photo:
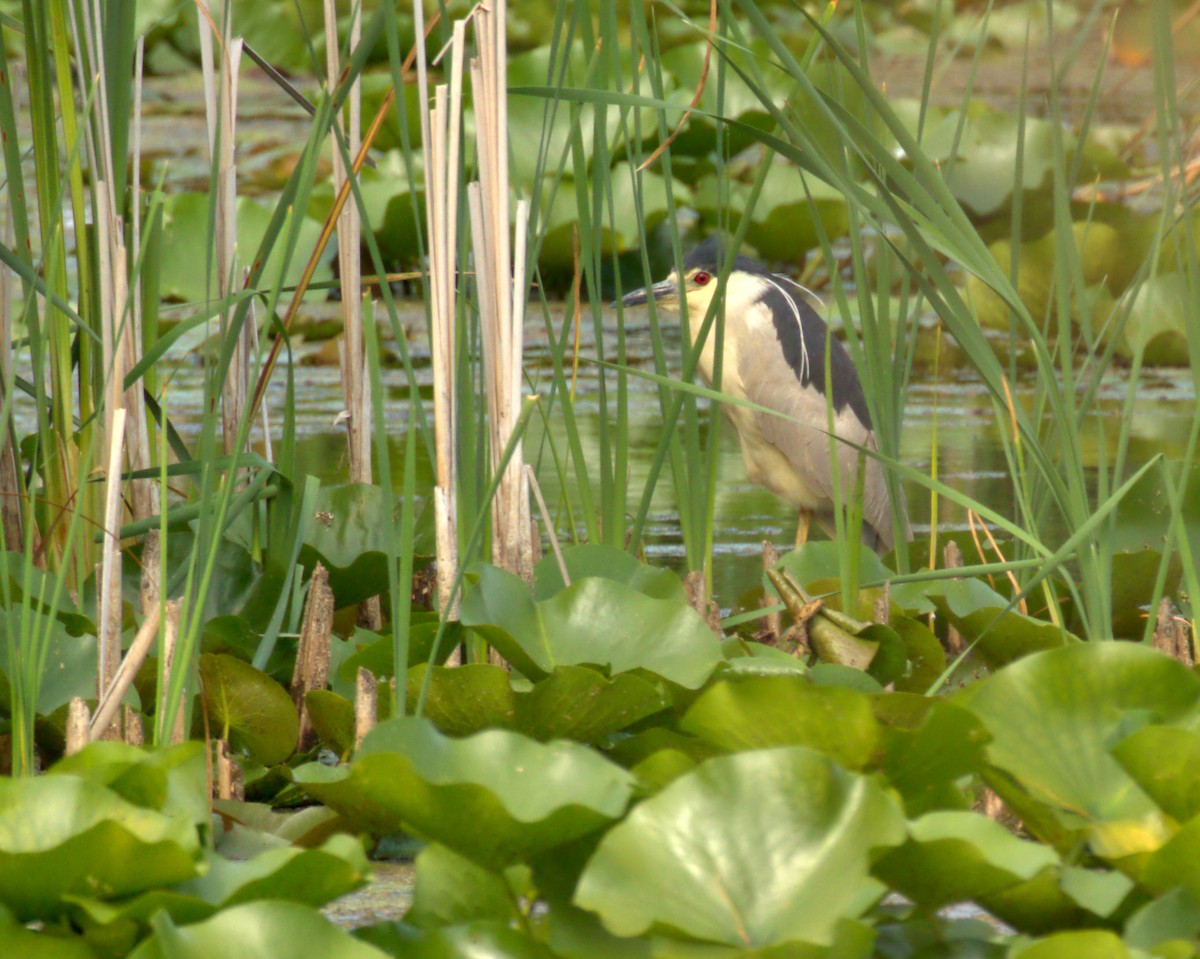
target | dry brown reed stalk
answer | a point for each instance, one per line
(170, 639)
(109, 569)
(441, 131)
(352, 357)
(500, 277)
(110, 702)
(220, 105)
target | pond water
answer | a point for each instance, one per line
(969, 452)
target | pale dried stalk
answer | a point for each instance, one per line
(531, 478)
(311, 670)
(501, 283)
(366, 704)
(76, 733)
(107, 708)
(109, 640)
(349, 254)
(441, 127)
(170, 639)
(143, 493)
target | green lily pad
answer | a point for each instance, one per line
(486, 939)
(170, 779)
(248, 708)
(978, 613)
(591, 622)
(606, 562)
(62, 836)
(185, 246)
(348, 538)
(1165, 762)
(751, 850)
(1158, 320)
(496, 797)
(929, 744)
(332, 718)
(1053, 717)
(1093, 943)
(17, 940)
(573, 702)
(960, 856)
(451, 889)
(260, 930)
(756, 712)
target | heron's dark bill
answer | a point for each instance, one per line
(658, 292)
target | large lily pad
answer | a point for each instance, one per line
(929, 745)
(186, 253)
(593, 621)
(606, 562)
(62, 835)
(752, 850)
(755, 712)
(1053, 717)
(495, 797)
(170, 779)
(1000, 635)
(1165, 761)
(573, 702)
(250, 709)
(259, 930)
(959, 856)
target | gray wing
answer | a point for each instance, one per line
(773, 383)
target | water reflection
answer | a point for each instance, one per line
(969, 453)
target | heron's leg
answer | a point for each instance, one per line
(802, 527)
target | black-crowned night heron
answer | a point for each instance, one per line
(774, 354)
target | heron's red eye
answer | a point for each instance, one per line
(701, 278)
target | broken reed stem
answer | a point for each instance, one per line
(366, 704)
(442, 129)
(352, 355)
(311, 670)
(501, 284)
(109, 639)
(110, 702)
(551, 532)
(167, 658)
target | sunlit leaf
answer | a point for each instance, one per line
(755, 712)
(593, 621)
(249, 708)
(495, 797)
(261, 930)
(753, 849)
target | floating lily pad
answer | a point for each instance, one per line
(250, 709)
(1053, 717)
(495, 797)
(593, 621)
(929, 744)
(451, 889)
(62, 836)
(1000, 635)
(751, 850)
(755, 712)
(332, 718)
(1165, 762)
(960, 856)
(186, 250)
(605, 562)
(260, 930)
